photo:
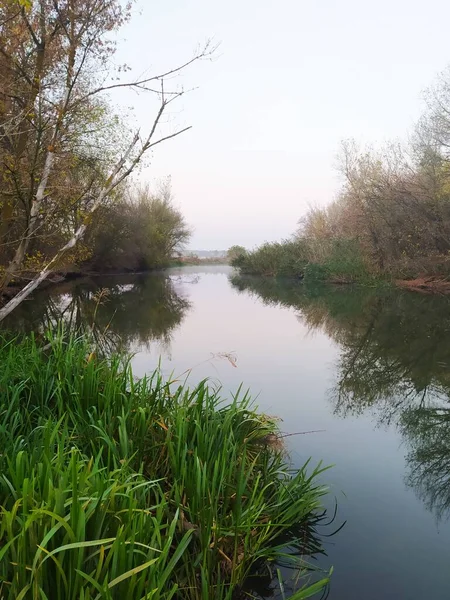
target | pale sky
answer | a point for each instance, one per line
(291, 80)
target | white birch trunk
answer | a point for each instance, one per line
(111, 183)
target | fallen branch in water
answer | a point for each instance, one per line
(301, 433)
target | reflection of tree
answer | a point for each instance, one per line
(394, 345)
(427, 430)
(398, 359)
(394, 358)
(119, 311)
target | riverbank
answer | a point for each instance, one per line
(118, 488)
(314, 274)
(425, 285)
(342, 264)
(72, 274)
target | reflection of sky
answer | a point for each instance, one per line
(391, 547)
(125, 288)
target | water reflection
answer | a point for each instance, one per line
(427, 429)
(126, 312)
(387, 354)
(122, 312)
(394, 362)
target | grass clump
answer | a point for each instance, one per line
(117, 488)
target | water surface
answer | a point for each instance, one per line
(367, 371)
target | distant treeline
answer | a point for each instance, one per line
(392, 215)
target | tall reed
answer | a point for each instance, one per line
(116, 488)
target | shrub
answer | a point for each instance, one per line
(286, 259)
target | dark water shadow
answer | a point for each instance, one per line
(121, 312)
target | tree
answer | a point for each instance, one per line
(235, 252)
(53, 53)
(140, 231)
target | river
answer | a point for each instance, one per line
(365, 371)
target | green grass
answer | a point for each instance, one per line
(284, 259)
(116, 488)
(338, 261)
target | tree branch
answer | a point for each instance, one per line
(30, 29)
(207, 51)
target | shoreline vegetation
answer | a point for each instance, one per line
(290, 260)
(390, 221)
(113, 487)
(72, 274)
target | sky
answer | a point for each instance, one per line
(290, 81)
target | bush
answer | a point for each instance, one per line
(340, 261)
(235, 253)
(344, 262)
(285, 259)
(315, 272)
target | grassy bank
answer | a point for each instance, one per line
(342, 263)
(117, 488)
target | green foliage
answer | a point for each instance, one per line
(140, 231)
(343, 263)
(340, 261)
(116, 488)
(287, 258)
(315, 272)
(235, 252)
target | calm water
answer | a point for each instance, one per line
(367, 372)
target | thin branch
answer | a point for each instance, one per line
(301, 433)
(11, 18)
(141, 84)
(38, 43)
